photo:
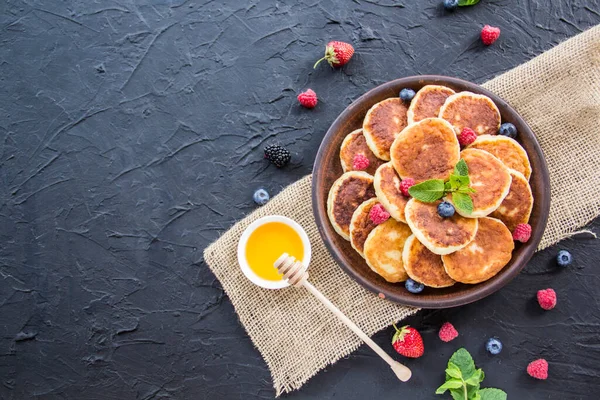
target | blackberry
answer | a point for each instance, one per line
(278, 155)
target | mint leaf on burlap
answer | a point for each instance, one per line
(428, 191)
(492, 394)
(464, 3)
(464, 203)
(461, 168)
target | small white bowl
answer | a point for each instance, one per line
(241, 251)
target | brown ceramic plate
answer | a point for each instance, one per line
(327, 169)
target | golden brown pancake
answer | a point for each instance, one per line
(354, 144)
(427, 149)
(516, 206)
(489, 177)
(387, 188)
(348, 192)
(361, 225)
(424, 266)
(485, 256)
(382, 124)
(470, 110)
(507, 150)
(427, 102)
(383, 250)
(440, 235)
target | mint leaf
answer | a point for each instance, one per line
(457, 394)
(492, 394)
(466, 190)
(451, 384)
(447, 187)
(464, 3)
(463, 360)
(458, 181)
(453, 371)
(481, 375)
(477, 396)
(428, 191)
(464, 203)
(461, 167)
(473, 381)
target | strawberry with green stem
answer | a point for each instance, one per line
(337, 54)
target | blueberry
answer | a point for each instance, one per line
(407, 94)
(564, 258)
(261, 196)
(450, 5)
(413, 286)
(445, 209)
(494, 346)
(508, 129)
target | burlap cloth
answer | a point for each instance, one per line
(557, 93)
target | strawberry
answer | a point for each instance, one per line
(408, 342)
(337, 54)
(308, 98)
(489, 34)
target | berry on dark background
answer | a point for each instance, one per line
(508, 129)
(450, 5)
(278, 155)
(445, 209)
(407, 94)
(493, 346)
(261, 197)
(413, 286)
(564, 258)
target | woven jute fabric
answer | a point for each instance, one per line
(557, 93)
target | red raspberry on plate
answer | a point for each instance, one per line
(360, 162)
(538, 369)
(308, 98)
(547, 298)
(405, 185)
(447, 332)
(467, 136)
(378, 214)
(522, 233)
(489, 34)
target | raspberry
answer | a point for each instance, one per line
(405, 185)
(547, 298)
(489, 34)
(360, 162)
(538, 369)
(308, 99)
(378, 214)
(447, 332)
(467, 136)
(522, 233)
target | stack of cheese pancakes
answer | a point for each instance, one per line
(419, 141)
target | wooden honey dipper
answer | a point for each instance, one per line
(296, 274)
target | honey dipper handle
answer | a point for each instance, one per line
(402, 372)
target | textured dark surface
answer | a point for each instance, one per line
(131, 136)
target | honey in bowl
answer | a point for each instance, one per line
(267, 243)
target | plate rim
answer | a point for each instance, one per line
(321, 217)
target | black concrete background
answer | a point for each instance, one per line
(131, 136)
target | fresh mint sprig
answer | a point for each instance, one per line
(463, 3)
(462, 380)
(457, 186)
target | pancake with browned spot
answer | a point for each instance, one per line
(490, 179)
(382, 124)
(427, 149)
(383, 250)
(485, 256)
(440, 235)
(518, 203)
(355, 143)
(387, 188)
(348, 192)
(427, 102)
(361, 225)
(470, 110)
(507, 150)
(424, 266)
